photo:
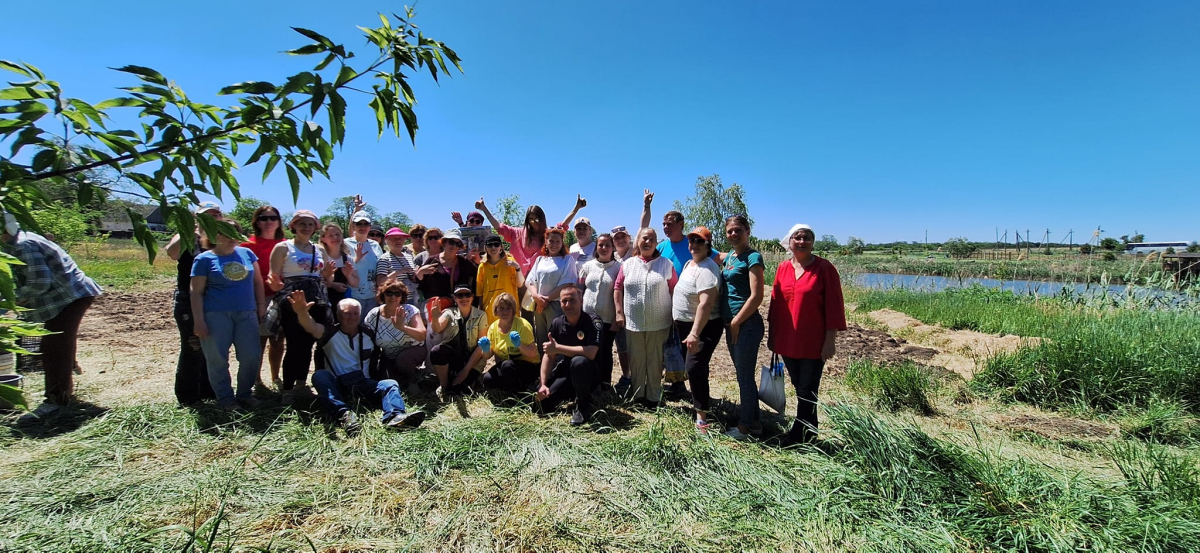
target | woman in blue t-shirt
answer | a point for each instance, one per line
(228, 302)
(741, 294)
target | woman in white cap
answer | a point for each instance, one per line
(806, 312)
(584, 249)
(297, 264)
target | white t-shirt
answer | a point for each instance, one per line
(695, 279)
(345, 354)
(392, 339)
(550, 272)
(583, 255)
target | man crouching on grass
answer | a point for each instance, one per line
(347, 350)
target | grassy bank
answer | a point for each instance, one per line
(146, 478)
(122, 263)
(1101, 359)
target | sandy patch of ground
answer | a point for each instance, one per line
(960, 351)
(1054, 427)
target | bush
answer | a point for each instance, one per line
(894, 387)
(1110, 244)
(1085, 249)
(1109, 256)
(1162, 421)
(63, 222)
(960, 247)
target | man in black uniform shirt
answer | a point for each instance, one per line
(567, 367)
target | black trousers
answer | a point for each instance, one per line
(806, 378)
(444, 354)
(191, 371)
(571, 377)
(604, 357)
(697, 364)
(512, 375)
(297, 355)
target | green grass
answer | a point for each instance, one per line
(148, 478)
(122, 263)
(1066, 268)
(1101, 359)
(894, 386)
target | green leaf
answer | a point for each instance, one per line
(13, 396)
(248, 87)
(28, 106)
(294, 179)
(120, 103)
(15, 68)
(315, 36)
(44, 160)
(294, 84)
(307, 50)
(337, 118)
(23, 93)
(27, 137)
(145, 73)
(271, 163)
(344, 75)
(318, 95)
(89, 111)
(325, 63)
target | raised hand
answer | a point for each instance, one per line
(299, 302)
(457, 218)
(479, 204)
(360, 251)
(580, 203)
(359, 204)
(647, 196)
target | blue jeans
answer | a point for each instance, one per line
(745, 363)
(240, 330)
(330, 390)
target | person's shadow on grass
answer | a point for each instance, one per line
(65, 420)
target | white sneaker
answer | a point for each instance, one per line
(737, 434)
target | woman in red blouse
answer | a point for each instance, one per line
(805, 314)
(268, 231)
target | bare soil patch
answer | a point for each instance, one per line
(128, 346)
(1057, 428)
(960, 351)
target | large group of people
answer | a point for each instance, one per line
(378, 310)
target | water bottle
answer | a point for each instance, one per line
(485, 344)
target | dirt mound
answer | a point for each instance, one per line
(863, 343)
(1057, 428)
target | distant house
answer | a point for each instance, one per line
(1147, 247)
(117, 224)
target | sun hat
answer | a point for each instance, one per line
(452, 234)
(303, 214)
(463, 287)
(207, 206)
(702, 232)
(493, 240)
(395, 232)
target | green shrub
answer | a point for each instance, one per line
(1109, 256)
(894, 387)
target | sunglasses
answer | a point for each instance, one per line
(418, 236)
(434, 237)
(454, 243)
(464, 295)
(476, 221)
(394, 294)
(268, 217)
(493, 244)
(362, 223)
(697, 240)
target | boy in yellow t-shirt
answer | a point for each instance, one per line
(498, 273)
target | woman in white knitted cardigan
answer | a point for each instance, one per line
(642, 294)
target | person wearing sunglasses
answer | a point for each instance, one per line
(553, 271)
(698, 319)
(474, 219)
(399, 332)
(528, 241)
(417, 235)
(267, 232)
(366, 252)
(376, 234)
(441, 273)
(498, 273)
(460, 328)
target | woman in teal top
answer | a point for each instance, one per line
(741, 294)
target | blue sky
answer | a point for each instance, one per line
(881, 120)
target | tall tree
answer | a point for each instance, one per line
(510, 210)
(712, 203)
(243, 212)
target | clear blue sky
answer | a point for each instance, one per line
(875, 119)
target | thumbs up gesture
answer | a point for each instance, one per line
(551, 347)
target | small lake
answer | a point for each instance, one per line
(1023, 287)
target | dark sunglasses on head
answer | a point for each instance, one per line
(464, 295)
(393, 293)
(268, 217)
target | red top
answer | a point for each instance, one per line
(262, 248)
(803, 309)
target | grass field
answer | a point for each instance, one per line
(907, 461)
(1064, 268)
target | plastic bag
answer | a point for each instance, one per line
(771, 386)
(673, 362)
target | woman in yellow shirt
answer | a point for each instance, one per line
(498, 273)
(517, 360)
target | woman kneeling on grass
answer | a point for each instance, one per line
(228, 301)
(805, 314)
(399, 333)
(693, 305)
(516, 369)
(457, 357)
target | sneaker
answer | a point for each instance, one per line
(401, 421)
(349, 422)
(737, 434)
(623, 385)
(44, 410)
(441, 395)
(578, 418)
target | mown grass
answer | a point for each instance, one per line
(141, 478)
(1097, 359)
(122, 263)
